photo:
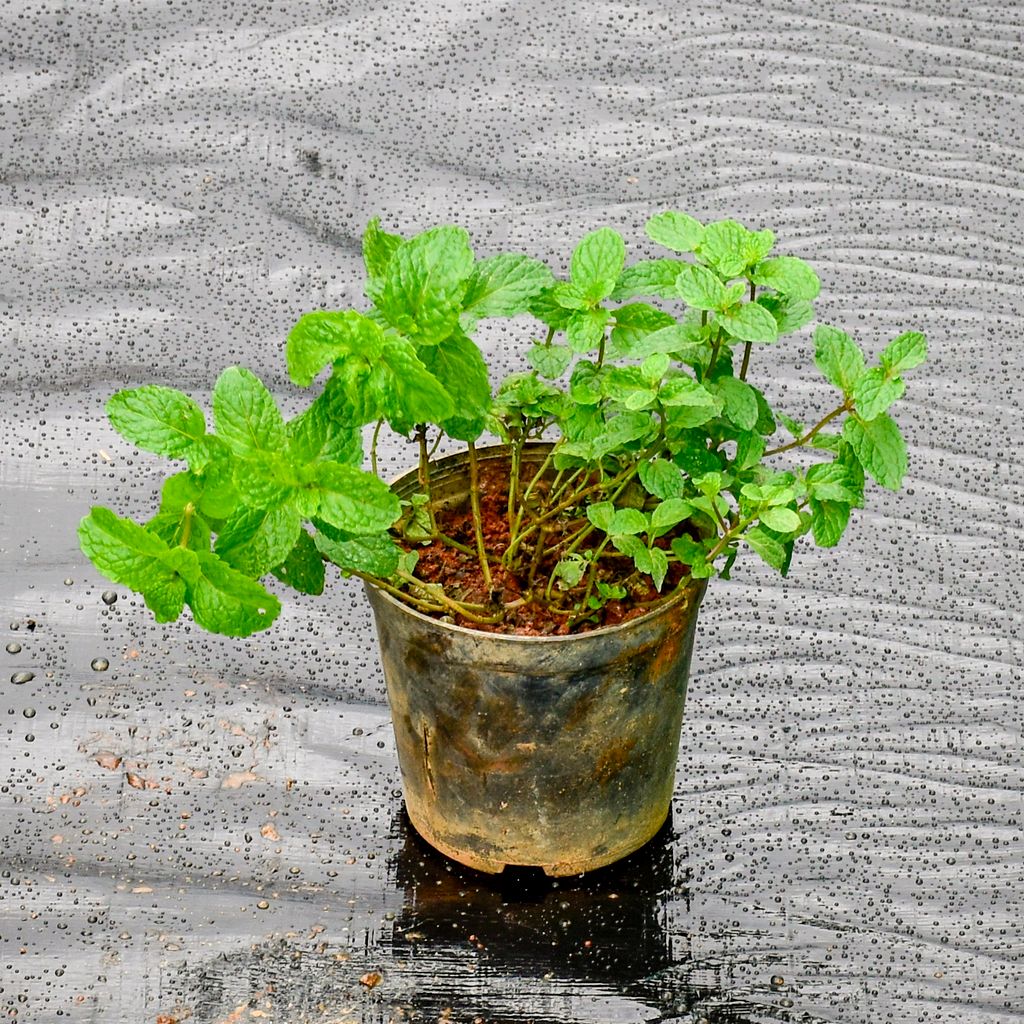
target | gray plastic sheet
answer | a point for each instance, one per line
(211, 830)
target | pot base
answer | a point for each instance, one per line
(559, 869)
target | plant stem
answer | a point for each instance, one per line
(457, 544)
(798, 442)
(186, 526)
(424, 474)
(459, 607)
(373, 447)
(478, 523)
(513, 482)
(747, 345)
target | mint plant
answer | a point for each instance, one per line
(662, 459)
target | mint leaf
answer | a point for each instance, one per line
(374, 554)
(879, 447)
(586, 329)
(157, 419)
(661, 478)
(684, 390)
(378, 248)
(627, 521)
(570, 571)
(569, 296)
(303, 569)
(669, 513)
(545, 307)
(770, 549)
(323, 337)
(126, 553)
(676, 231)
(321, 432)
(750, 447)
(597, 263)
(739, 402)
(750, 322)
(634, 322)
(426, 279)
(679, 340)
(833, 481)
(875, 391)
(408, 391)
(789, 275)
(790, 314)
(828, 521)
(549, 361)
(780, 519)
(225, 601)
(351, 500)
(601, 514)
(459, 367)
(648, 277)
(247, 419)
(699, 288)
(255, 540)
(730, 248)
(505, 285)
(837, 356)
(171, 528)
(904, 353)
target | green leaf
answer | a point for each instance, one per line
(549, 361)
(739, 401)
(684, 390)
(770, 549)
(170, 528)
(750, 322)
(505, 285)
(303, 569)
(378, 248)
(750, 447)
(126, 553)
(601, 514)
(570, 570)
(255, 540)
(875, 391)
(654, 367)
(375, 554)
(408, 391)
(789, 275)
(569, 296)
(586, 329)
(351, 500)
(324, 337)
(833, 481)
(661, 478)
(676, 231)
(628, 521)
(668, 514)
(648, 277)
(828, 521)
(157, 419)
(678, 340)
(597, 263)
(548, 310)
(633, 323)
(223, 600)
(699, 288)
(780, 519)
(904, 353)
(636, 549)
(795, 427)
(422, 290)
(321, 432)
(459, 366)
(837, 356)
(247, 419)
(879, 447)
(730, 248)
(790, 314)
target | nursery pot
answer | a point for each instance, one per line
(555, 752)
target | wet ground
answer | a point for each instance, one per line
(211, 830)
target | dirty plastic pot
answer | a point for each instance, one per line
(556, 752)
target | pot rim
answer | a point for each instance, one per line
(685, 591)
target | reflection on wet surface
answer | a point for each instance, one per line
(210, 830)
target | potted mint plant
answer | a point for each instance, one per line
(535, 596)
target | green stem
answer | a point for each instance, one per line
(424, 474)
(186, 526)
(478, 523)
(373, 447)
(459, 607)
(748, 345)
(800, 441)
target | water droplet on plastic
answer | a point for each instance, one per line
(13, 648)
(109, 597)
(99, 664)
(22, 677)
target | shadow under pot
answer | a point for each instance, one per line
(557, 752)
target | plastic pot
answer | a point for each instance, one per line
(556, 752)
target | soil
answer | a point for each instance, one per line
(459, 571)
